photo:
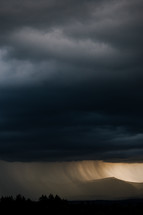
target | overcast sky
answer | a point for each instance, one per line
(71, 80)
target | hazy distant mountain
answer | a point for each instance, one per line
(108, 188)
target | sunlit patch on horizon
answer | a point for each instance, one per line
(92, 170)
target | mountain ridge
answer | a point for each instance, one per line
(108, 189)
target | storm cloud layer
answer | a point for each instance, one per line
(71, 75)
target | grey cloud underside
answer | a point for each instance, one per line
(71, 80)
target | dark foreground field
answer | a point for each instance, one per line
(56, 205)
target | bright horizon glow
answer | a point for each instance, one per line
(92, 170)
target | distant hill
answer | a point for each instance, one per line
(108, 189)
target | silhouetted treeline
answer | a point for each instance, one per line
(21, 205)
(56, 205)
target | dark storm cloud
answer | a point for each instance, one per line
(54, 124)
(71, 80)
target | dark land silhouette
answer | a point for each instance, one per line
(56, 205)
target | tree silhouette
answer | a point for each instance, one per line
(51, 197)
(20, 198)
(43, 199)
